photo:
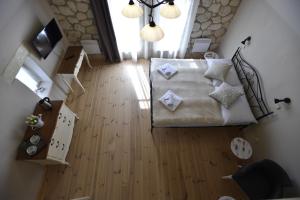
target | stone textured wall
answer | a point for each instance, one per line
(76, 19)
(212, 20)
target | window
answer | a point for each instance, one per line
(127, 30)
(177, 31)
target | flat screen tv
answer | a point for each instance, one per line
(47, 38)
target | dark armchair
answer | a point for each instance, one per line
(264, 179)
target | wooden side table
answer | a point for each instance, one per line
(71, 64)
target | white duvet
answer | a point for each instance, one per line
(197, 108)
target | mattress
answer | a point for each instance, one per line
(197, 108)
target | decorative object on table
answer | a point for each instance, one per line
(33, 145)
(46, 103)
(31, 150)
(35, 139)
(211, 55)
(241, 148)
(152, 32)
(226, 198)
(35, 121)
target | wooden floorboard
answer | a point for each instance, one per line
(114, 156)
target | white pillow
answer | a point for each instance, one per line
(226, 94)
(217, 83)
(239, 113)
(221, 60)
(231, 78)
(217, 69)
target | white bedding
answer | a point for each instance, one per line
(197, 108)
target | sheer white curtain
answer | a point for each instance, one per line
(177, 31)
(127, 30)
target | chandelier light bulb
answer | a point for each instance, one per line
(152, 32)
(132, 10)
(170, 11)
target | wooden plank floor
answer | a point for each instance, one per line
(114, 156)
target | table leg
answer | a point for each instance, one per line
(79, 83)
(88, 61)
(75, 115)
(66, 82)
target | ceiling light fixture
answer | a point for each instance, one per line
(152, 32)
(170, 11)
(132, 10)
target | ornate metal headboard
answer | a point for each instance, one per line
(252, 85)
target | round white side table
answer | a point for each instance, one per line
(211, 55)
(241, 148)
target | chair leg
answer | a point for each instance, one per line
(227, 177)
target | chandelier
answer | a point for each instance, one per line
(152, 32)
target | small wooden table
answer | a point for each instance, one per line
(71, 65)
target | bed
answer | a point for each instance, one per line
(198, 109)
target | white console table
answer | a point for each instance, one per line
(56, 135)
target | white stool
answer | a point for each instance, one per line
(241, 148)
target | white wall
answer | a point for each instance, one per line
(275, 51)
(20, 20)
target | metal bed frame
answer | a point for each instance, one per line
(251, 82)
